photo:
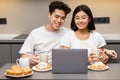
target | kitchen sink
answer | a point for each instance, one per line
(21, 36)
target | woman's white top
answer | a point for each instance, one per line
(42, 41)
(94, 41)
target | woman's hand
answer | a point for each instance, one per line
(92, 58)
(103, 56)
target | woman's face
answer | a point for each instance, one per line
(81, 20)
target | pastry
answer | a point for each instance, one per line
(98, 65)
(16, 68)
(43, 65)
(49, 66)
(10, 72)
(26, 70)
(18, 71)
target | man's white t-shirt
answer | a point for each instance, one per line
(94, 41)
(42, 41)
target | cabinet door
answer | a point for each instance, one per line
(5, 56)
(15, 51)
(115, 47)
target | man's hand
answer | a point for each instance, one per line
(112, 53)
(35, 59)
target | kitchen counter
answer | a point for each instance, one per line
(12, 38)
(111, 36)
(19, 38)
(10, 41)
(7, 36)
(23, 36)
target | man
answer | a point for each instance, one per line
(46, 37)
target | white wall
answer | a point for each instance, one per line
(25, 15)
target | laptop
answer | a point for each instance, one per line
(69, 61)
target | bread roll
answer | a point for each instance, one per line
(16, 68)
(9, 72)
(18, 71)
(26, 70)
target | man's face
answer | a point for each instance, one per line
(57, 19)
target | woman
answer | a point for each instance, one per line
(84, 36)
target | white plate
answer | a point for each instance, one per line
(35, 69)
(19, 75)
(98, 69)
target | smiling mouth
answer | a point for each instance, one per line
(57, 25)
(81, 25)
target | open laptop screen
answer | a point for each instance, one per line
(70, 61)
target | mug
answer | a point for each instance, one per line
(43, 57)
(23, 62)
(96, 52)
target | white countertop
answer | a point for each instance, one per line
(106, 36)
(111, 36)
(7, 36)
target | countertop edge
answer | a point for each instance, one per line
(22, 41)
(4, 41)
(113, 41)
